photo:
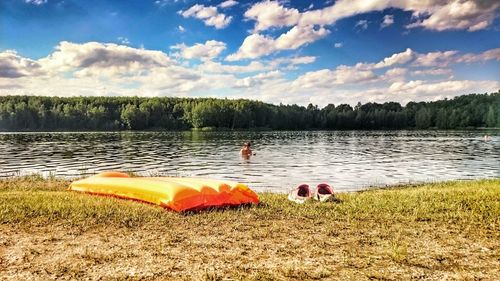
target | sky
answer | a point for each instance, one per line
(290, 52)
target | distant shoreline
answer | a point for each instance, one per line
(251, 130)
(38, 113)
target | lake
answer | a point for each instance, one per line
(348, 160)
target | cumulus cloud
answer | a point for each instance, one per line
(209, 15)
(435, 58)
(338, 45)
(399, 58)
(300, 35)
(207, 51)
(327, 78)
(362, 24)
(257, 45)
(217, 67)
(14, 66)
(432, 14)
(297, 60)
(123, 40)
(432, 72)
(228, 3)
(254, 46)
(181, 29)
(284, 63)
(272, 14)
(444, 58)
(102, 58)
(388, 20)
(36, 2)
(103, 69)
(438, 15)
(108, 69)
(259, 79)
(493, 54)
(392, 84)
(424, 88)
(459, 14)
(395, 74)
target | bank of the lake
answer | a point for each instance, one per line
(433, 231)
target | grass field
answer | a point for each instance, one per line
(442, 231)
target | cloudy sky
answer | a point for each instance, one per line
(302, 52)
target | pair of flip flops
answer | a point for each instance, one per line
(303, 193)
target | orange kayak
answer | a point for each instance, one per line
(178, 194)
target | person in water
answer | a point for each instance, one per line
(246, 151)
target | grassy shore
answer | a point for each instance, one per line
(442, 231)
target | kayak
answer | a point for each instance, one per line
(178, 194)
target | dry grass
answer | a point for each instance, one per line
(431, 232)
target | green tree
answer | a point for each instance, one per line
(423, 118)
(133, 118)
(490, 117)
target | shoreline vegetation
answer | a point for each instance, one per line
(431, 231)
(37, 113)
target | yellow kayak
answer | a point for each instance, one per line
(178, 194)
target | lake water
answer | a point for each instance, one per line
(348, 160)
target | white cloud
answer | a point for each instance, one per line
(298, 36)
(493, 54)
(258, 79)
(399, 58)
(36, 2)
(439, 58)
(102, 59)
(342, 9)
(207, 51)
(395, 74)
(123, 40)
(257, 45)
(14, 66)
(326, 78)
(297, 60)
(459, 14)
(181, 29)
(422, 89)
(404, 92)
(254, 46)
(431, 14)
(338, 45)
(433, 72)
(217, 67)
(388, 20)
(444, 58)
(284, 63)
(108, 69)
(228, 3)
(209, 15)
(272, 14)
(103, 69)
(362, 24)
(163, 3)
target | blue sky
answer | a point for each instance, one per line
(302, 52)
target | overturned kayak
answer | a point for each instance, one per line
(178, 194)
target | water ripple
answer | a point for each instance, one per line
(350, 160)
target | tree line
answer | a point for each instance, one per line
(36, 113)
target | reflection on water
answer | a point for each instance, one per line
(350, 160)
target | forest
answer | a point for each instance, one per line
(36, 113)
